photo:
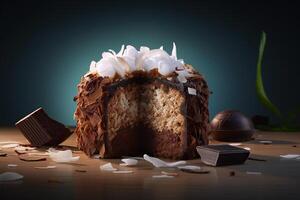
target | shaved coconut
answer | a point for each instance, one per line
(129, 162)
(7, 146)
(247, 148)
(144, 49)
(192, 91)
(93, 66)
(130, 51)
(265, 142)
(130, 59)
(189, 167)
(123, 172)
(96, 156)
(47, 167)
(12, 165)
(112, 51)
(22, 148)
(160, 163)
(181, 79)
(164, 68)
(10, 176)
(62, 156)
(174, 51)
(121, 51)
(235, 144)
(290, 156)
(162, 176)
(169, 173)
(107, 167)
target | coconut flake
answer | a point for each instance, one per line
(169, 173)
(62, 156)
(290, 156)
(96, 156)
(10, 176)
(7, 146)
(174, 51)
(192, 91)
(160, 163)
(253, 173)
(189, 167)
(162, 176)
(12, 165)
(129, 162)
(122, 172)
(235, 144)
(265, 142)
(107, 167)
(22, 148)
(93, 66)
(46, 167)
(181, 79)
(129, 58)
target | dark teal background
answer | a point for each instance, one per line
(46, 48)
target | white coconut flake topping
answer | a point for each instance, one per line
(129, 59)
(192, 91)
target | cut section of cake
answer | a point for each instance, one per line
(137, 102)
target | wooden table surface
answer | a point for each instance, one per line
(280, 178)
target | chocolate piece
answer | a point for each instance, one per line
(231, 126)
(218, 155)
(40, 130)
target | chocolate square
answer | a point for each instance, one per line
(40, 130)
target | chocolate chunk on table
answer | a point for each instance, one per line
(40, 130)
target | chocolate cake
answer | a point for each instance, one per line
(145, 101)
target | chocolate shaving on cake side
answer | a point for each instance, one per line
(142, 110)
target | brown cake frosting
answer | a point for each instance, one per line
(142, 112)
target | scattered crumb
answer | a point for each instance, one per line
(265, 142)
(12, 165)
(54, 181)
(80, 170)
(162, 176)
(123, 172)
(253, 173)
(169, 173)
(2, 154)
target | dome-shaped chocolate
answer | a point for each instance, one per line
(231, 125)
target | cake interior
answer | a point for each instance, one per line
(148, 118)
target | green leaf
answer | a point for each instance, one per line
(262, 96)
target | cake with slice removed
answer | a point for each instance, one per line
(147, 101)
